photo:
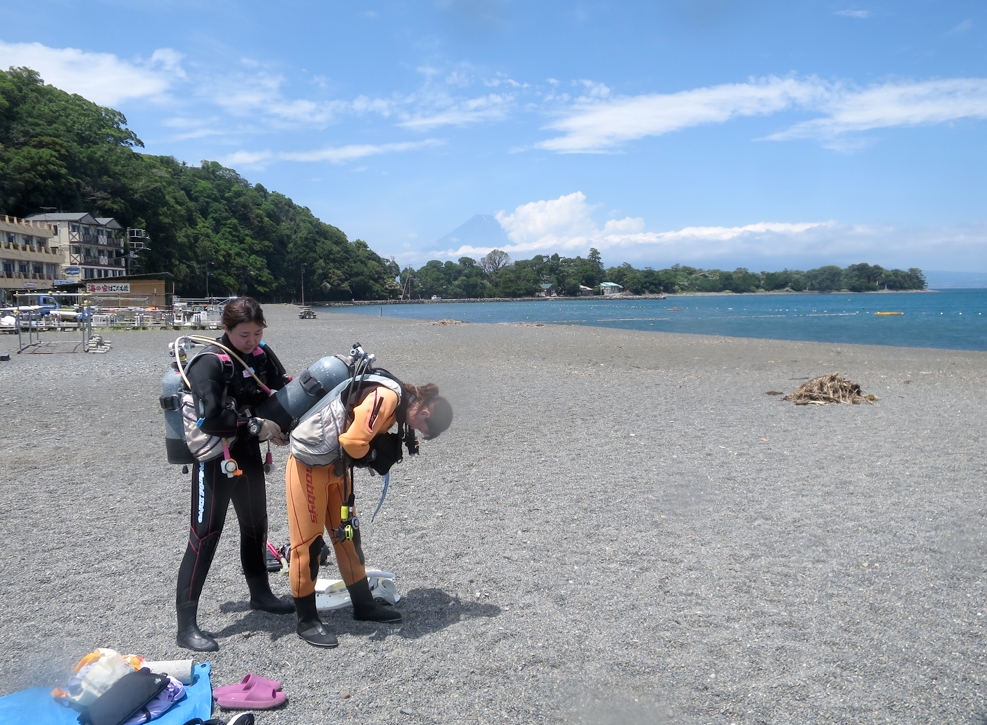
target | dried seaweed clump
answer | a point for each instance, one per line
(829, 389)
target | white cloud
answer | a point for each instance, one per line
(334, 155)
(895, 104)
(602, 126)
(860, 14)
(247, 158)
(460, 112)
(342, 154)
(565, 225)
(103, 78)
(540, 224)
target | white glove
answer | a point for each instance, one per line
(265, 430)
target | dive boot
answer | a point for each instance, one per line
(262, 598)
(310, 627)
(365, 609)
(189, 634)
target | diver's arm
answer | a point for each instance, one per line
(375, 414)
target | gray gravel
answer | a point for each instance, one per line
(620, 527)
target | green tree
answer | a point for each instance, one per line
(824, 279)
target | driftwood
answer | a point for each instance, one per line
(829, 389)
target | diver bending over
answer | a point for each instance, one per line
(316, 494)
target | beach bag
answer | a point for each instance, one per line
(315, 440)
(125, 698)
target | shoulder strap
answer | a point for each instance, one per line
(224, 360)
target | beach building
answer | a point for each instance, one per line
(91, 248)
(610, 288)
(155, 290)
(585, 291)
(547, 290)
(29, 259)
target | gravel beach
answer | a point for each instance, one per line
(620, 527)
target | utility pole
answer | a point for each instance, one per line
(303, 284)
(207, 282)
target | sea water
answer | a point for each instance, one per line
(953, 319)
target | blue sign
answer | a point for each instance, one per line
(73, 271)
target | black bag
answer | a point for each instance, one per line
(125, 698)
(385, 451)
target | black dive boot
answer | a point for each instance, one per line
(262, 598)
(366, 609)
(189, 634)
(310, 627)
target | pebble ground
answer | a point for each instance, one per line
(620, 527)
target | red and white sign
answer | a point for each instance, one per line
(108, 288)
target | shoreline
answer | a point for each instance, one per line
(598, 298)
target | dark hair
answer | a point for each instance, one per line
(243, 309)
(439, 409)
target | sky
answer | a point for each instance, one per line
(714, 133)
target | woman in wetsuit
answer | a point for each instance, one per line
(224, 394)
(316, 493)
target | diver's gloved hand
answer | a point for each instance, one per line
(385, 451)
(265, 430)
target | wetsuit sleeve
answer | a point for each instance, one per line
(372, 416)
(209, 387)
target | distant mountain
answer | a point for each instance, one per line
(480, 231)
(955, 280)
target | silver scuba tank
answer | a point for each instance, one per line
(295, 399)
(172, 387)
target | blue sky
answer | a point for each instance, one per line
(716, 133)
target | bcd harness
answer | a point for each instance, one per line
(203, 446)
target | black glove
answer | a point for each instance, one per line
(385, 451)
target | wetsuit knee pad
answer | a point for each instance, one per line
(314, 553)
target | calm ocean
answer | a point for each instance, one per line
(953, 319)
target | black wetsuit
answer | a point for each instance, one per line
(212, 490)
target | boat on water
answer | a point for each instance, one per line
(888, 314)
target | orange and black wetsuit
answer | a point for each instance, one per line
(316, 493)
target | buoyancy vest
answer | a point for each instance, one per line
(315, 440)
(242, 389)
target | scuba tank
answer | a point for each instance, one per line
(172, 387)
(290, 403)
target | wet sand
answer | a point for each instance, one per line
(620, 527)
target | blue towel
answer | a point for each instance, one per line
(36, 706)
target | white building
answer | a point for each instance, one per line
(91, 248)
(28, 258)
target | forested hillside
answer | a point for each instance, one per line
(60, 152)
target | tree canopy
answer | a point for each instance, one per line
(498, 276)
(61, 152)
